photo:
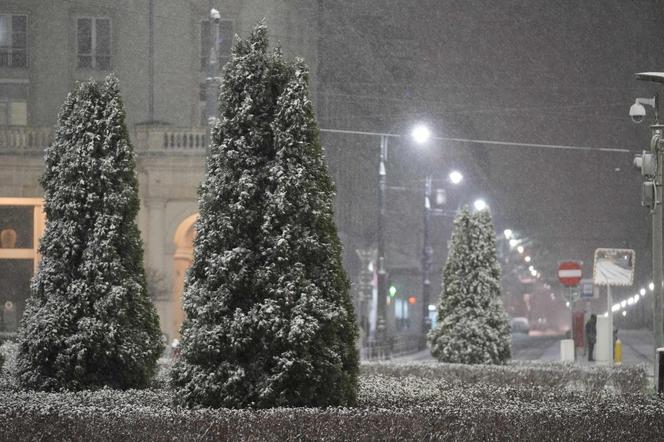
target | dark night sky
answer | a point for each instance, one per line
(524, 71)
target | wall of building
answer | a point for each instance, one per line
(156, 50)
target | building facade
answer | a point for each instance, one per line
(157, 49)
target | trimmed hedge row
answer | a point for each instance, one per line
(409, 401)
(390, 407)
(552, 375)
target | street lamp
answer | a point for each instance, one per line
(651, 164)
(427, 251)
(211, 81)
(455, 177)
(420, 134)
(480, 205)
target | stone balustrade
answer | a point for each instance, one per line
(19, 139)
(170, 139)
(146, 139)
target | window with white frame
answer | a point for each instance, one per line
(93, 36)
(13, 104)
(13, 41)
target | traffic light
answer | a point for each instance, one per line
(412, 300)
(392, 291)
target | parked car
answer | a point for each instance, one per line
(520, 325)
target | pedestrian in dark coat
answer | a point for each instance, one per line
(591, 335)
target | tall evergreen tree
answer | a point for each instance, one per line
(269, 320)
(89, 321)
(473, 327)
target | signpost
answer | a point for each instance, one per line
(588, 290)
(569, 275)
(612, 267)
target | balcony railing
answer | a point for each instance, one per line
(33, 140)
(19, 139)
(170, 139)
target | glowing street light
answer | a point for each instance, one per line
(513, 242)
(642, 292)
(480, 205)
(455, 177)
(527, 259)
(508, 234)
(421, 134)
(520, 249)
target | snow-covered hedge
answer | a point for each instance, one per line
(549, 375)
(389, 407)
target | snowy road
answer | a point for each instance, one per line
(637, 348)
(529, 348)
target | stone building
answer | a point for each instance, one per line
(157, 50)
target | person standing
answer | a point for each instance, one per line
(591, 335)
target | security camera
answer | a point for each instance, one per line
(637, 112)
(215, 15)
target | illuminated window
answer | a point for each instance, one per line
(21, 226)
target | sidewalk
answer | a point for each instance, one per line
(637, 348)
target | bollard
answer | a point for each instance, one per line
(659, 370)
(617, 352)
(567, 350)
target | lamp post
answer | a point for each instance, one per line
(381, 307)
(427, 259)
(427, 251)
(651, 165)
(211, 71)
(420, 134)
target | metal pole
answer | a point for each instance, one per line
(382, 323)
(571, 317)
(609, 310)
(427, 253)
(655, 145)
(151, 61)
(211, 77)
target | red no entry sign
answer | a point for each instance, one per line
(569, 273)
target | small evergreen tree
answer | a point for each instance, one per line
(89, 322)
(269, 321)
(473, 327)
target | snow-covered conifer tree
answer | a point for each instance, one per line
(269, 320)
(473, 327)
(89, 322)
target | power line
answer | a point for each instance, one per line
(489, 142)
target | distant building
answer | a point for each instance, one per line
(157, 50)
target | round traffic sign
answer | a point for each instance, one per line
(569, 273)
